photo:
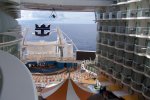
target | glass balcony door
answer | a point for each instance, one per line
(139, 6)
(148, 26)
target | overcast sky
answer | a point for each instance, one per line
(61, 17)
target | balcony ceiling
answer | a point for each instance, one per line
(64, 5)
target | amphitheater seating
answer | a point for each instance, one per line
(44, 70)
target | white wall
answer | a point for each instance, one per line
(71, 2)
(17, 83)
(6, 22)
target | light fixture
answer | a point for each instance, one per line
(53, 14)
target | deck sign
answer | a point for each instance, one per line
(42, 29)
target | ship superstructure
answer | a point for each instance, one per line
(123, 44)
(59, 49)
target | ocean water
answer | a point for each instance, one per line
(83, 35)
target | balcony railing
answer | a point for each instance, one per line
(128, 62)
(126, 1)
(110, 71)
(111, 43)
(98, 45)
(98, 58)
(147, 70)
(118, 68)
(146, 92)
(110, 56)
(121, 29)
(105, 28)
(98, 39)
(148, 51)
(129, 47)
(146, 87)
(104, 53)
(117, 75)
(126, 80)
(130, 30)
(126, 72)
(137, 81)
(122, 1)
(140, 49)
(11, 42)
(119, 44)
(6, 44)
(106, 15)
(99, 15)
(111, 28)
(119, 59)
(98, 51)
(136, 86)
(125, 30)
(100, 28)
(140, 31)
(97, 64)
(138, 67)
(143, 12)
(113, 15)
(123, 14)
(135, 13)
(104, 41)
(143, 31)
(103, 67)
(132, 13)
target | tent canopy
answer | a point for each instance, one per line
(67, 90)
